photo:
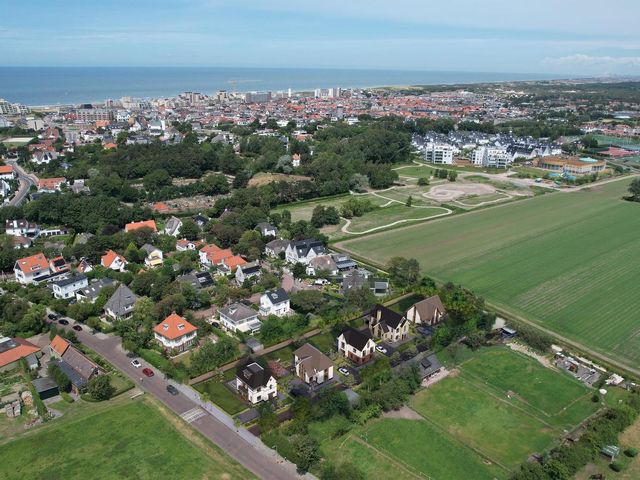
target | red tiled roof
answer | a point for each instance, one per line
(108, 258)
(33, 263)
(59, 345)
(22, 349)
(50, 183)
(4, 169)
(129, 227)
(174, 326)
(234, 261)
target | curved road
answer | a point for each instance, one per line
(26, 181)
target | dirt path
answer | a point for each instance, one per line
(530, 353)
(404, 413)
(345, 227)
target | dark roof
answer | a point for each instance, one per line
(83, 366)
(278, 245)
(74, 377)
(253, 375)
(387, 317)
(43, 384)
(355, 338)
(69, 281)
(121, 301)
(197, 279)
(303, 247)
(276, 296)
(94, 288)
(250, 268)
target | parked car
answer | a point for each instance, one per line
(136, 363)
(148, 372)
(321, 281)
(62, 321)
(344, 371)
(172, 390)
(381, 349)
(77, 328)
(53, 316)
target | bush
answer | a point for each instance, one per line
(616, 466)
(66, 397)
(631, 452)
(100, 388)
(423, 181)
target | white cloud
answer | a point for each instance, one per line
(605, 64)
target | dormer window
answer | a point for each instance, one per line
(165, 326)
(181, 326)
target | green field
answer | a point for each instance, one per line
(130, 440)
(565, 260)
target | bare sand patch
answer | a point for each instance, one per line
(404, 413)
(450, 192)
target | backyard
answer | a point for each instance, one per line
(561, 260)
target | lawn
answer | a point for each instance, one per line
(399, 448)
(553, 396)
(478, 199)
(393, 213)
(130, 440)
(488, 424)
(324, 342)
(415, 171)
(222, 396)
(563, 260)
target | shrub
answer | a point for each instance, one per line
(631, 452)
(423, 181)
(616, 466)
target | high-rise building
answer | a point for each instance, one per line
(257, 97)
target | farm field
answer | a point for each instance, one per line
(398, 448)
(130, 440)
(563, 260)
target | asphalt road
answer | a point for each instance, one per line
(263, 464)
(26, 181)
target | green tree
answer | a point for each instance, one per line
(190, 229)
(299, 270)
(404, 272)
(100, 387)
(452, 175)
(409, 201)
(634, 190)
(422, 181)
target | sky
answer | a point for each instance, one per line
(579, 37)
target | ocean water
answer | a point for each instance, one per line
(72, 85)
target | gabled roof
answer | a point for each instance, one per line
(303, 247)
(174, 326)
(248, 268)
(210, 248)
(108, 258)
(253, 375)
(13, 349)
(34, 263)
(94, 288)
(234, 261)
(82, 364)
(121, 300)
(387, 317)
(278, 245)
(70, 281)
(428, 307)
(129, 227)
(149, 249)
(276, 296)
(59, 345)
(312, 358)
(238, 312)
(355, 338)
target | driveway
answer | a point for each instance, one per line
(26, 180)
(211, 422)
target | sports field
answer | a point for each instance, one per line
(130, 440)
(568, 261)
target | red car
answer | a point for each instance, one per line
(148, 372)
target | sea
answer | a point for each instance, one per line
(39, 86)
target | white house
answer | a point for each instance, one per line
(33, 269)
(239, 318)
(267, 230)
(21, 228)
(275, 302)
(175, 334)
(255, 384)
(7, 173)
(311, 365)
(67, 288)
(247, 272)
(113, 261)
(154, 256)
(356, 346)
(184, 245)
(172, 227)
(303, 251)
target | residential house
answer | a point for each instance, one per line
(175, 334)
(208, 253)
(275, 302)
(356, 346)
(255, 384)
(361, 278)
(67, 287)
(33, 269)
(84, 266)
(302, 251)
(173, 226)
(44, 158)
(311, 365)
(323, 263)
(387, 325)
(150, 224)
(121, 304)
(184, 245)
(275, 247)
(231, 263)
(92, 291)
(21, 242)
(12, 350)
(58, 265)
(197, 280)
(267, 230)
(113, 261)
(427, 312)
(7, 173)
(200, 220)
(239, 318)
(154, 256)
(79, 368)
(51, 185)
(21, 228)
(247, 271)
(5, 189)
(343, 262)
